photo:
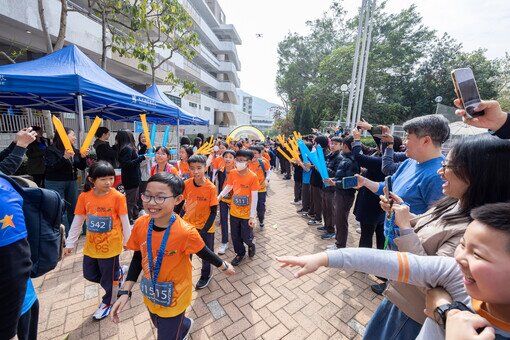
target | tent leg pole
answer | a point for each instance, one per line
(178, 141)
(81, 124)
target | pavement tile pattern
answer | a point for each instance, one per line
(261, 301)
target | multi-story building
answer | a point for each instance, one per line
(214, 69)
(260, 110)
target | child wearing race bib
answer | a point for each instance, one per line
(201, 207)
(162, 156)
(105, 211)
(222, 176)
(162, 243)
(243, 209)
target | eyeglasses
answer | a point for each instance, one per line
(157, 199)
(445, 166)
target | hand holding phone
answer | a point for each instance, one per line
(388, 188)
(465, 87)
(349, 182)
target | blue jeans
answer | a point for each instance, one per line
(224, 212)
(68, 190)
(389, 323)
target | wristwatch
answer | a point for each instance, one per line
(440, 312)
(224, 266)
(124, 292)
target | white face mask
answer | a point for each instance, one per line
(241, 165)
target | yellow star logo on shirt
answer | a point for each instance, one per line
(7, 221)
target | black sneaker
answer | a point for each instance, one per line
(302, 211)
(261, 225)
(327, 236)
(380, 288)
(235, 262)
(322, 228)
(202, 283)
(251, 251)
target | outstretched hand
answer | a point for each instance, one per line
(308, 263)
(493, 119)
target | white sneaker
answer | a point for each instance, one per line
(332, 247)
(102, 312)
(358, 230)
(123, 275)
(223, 249)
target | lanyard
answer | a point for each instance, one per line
(154, 274)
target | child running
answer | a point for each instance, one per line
(162, 243)
(243, 208)
(108, 229)
(222, 175)
(260, 166)
(201, 207)
(162, 157)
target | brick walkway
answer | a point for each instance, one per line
(261, 301)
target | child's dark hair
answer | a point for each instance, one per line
(229, 152)
(197, 159)
(175, 183)
(309, 145)
(494, 215)
(348, 142)
(337, 140)
(245, 153)
(224, 144)
(185, 140)
(257, 148)
(239, 145)
(97, 170)
(188, 149)
(101, 131)
(164, 149)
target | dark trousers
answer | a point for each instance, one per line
(343, 204)
(241, 234)
(132, 203)
(261, 206)
(224, 212)
(68, 190)
(367, 234)
(316, 198)
(27, 324)
(328, 210)
(297, 191)
(39, 180)
(171, 328)
(305, 196)
(206, 266)
(103, 271)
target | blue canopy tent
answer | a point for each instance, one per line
(68, 81)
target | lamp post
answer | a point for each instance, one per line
(344, 89)
(438, 100)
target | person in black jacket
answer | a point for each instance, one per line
(333, 159)
(104, 151)
(61, 173)
(344, 198)
(316, 186)
(131, 176)
(35, 155)
(12, 156)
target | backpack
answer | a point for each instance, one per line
(261, 164)
(43, 210)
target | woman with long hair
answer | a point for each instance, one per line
(129, 161)
(61, 173)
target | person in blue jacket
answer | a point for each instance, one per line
(19, 308)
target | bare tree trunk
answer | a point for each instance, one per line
(63, 26)
(3, 54)
(46, 34)
(103, 39)
(153, 69)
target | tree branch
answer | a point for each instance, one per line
(46, 34)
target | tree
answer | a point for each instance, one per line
(158, 26)
(59, 43)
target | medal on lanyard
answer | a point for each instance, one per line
(155, 273)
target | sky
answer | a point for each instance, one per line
(474, 23)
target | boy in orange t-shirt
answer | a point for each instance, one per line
(201, 207)
(243, 209)
(260, 166)
(108, 229)
(162, 243)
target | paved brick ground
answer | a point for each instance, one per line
(261, 301)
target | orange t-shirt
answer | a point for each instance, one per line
(101, 210)
(257, 169)
(226, 172)
(199, 201)
(266, 156)
(167, 168)
(183, 241)
(218, 163)
(184, 169)
(242, 188)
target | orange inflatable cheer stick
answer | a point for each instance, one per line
(62, 133)
(146, 133)
(284, 154)
(90, 135)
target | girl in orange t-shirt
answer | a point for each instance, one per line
(162, 156)
(185, 152)
(162, 243)
(108, 229)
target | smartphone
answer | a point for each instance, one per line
(389, 186)
(465, 87)
(377, 131)
(349, 182)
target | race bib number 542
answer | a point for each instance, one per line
(99, 224)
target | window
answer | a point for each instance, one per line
(207, 108)
(191, 104)
(175, 99)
